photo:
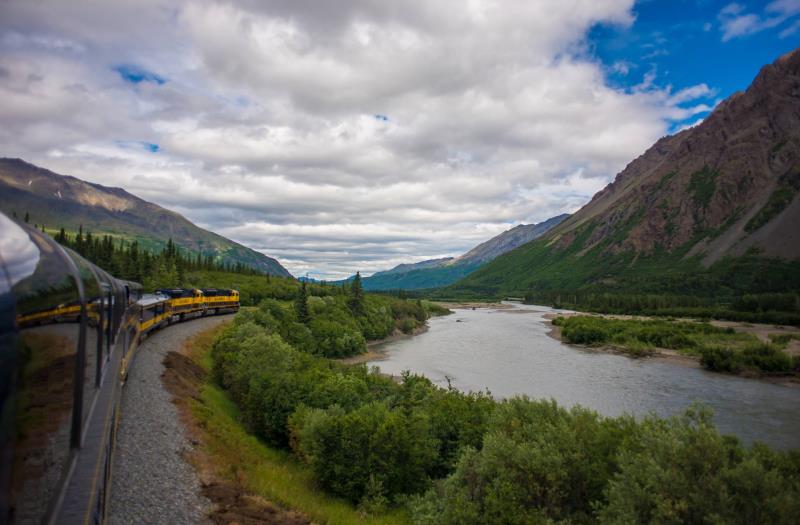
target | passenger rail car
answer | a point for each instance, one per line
(68, 332)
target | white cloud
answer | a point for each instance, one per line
(266, 118)
(736, 23)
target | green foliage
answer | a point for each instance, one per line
(702, 185)
(366, 437)
(543, 464)
(301, 304)
(353, 453)
(685, 472)
(467, 459)
(539, 463)
(356, 301)
(763, 357)
(778, 201)
(720, 349)
(153, 268)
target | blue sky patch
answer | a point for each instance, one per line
(137, 75)
(138, 144)
(682, 43)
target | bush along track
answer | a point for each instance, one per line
(247, 481)
(464, 458)
(719, 349)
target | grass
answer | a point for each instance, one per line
(272, 474)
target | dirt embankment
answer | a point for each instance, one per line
(183, 378)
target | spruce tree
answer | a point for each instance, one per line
(356, 301)
(301, 304)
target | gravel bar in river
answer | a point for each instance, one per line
(151, 481)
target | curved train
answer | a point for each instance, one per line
(68, 333)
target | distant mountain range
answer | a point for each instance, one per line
(442, 272)
(61, 201)
(712, 209)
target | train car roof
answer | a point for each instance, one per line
(150, 299)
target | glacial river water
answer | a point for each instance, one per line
(509, 352)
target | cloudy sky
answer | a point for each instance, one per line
(358, 134)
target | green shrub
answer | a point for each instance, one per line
(685, 472)
(352, 452)
(720, 359)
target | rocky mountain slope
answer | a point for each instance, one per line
(442, 272)
(507, 241)
(702, 201)
(61, 201)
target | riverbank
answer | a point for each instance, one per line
(374, 351)
(766, 335)
(473, 305)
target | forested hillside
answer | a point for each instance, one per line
(60, 201)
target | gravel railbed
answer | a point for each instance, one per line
(151, 481)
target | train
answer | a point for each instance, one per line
(69, 332)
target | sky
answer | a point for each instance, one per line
(360, 134)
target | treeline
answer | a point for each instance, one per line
(127, 260)
(776, 308)
(458, 458)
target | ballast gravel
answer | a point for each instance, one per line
(151, 481)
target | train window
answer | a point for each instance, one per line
(93, 294)
(40, 421)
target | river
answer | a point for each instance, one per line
(509, 352)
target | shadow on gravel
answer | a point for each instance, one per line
(183, 378)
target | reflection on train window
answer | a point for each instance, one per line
(48, 320)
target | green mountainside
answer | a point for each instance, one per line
(60, 201)
(434, 273)
(712, 211)
(418, 278)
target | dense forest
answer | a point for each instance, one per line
(126, 260)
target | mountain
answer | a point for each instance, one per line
(508, 240)
(442, 272)
(62, 201)
(712, 209)
(422, 265)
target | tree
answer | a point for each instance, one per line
(356, 301)
(301, 304)
(27, 217)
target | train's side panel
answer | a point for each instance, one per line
(65, 327)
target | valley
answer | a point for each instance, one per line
(429, 263)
